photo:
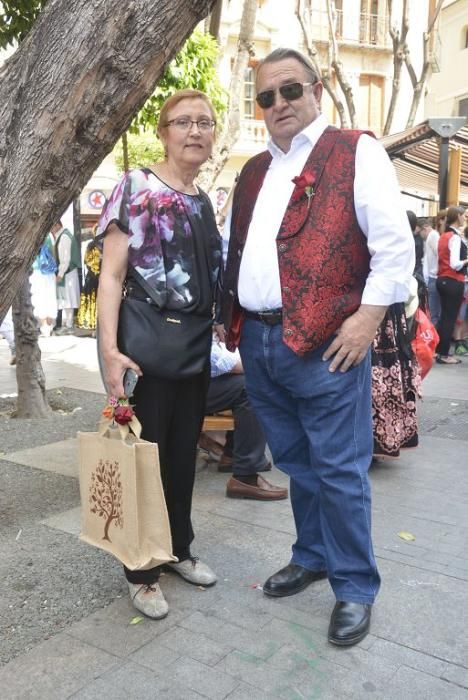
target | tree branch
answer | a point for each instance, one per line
(312, 53)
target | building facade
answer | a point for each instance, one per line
(365, 50)
(448, 88)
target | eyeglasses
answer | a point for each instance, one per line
(290, 92)
(185, 124)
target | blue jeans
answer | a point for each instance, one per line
(434, 299)
(318, 425)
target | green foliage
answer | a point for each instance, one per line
(16, 19)
(193, 67)
(143, 150)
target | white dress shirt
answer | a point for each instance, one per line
(379, 211)
(454, 245)
(431, 255)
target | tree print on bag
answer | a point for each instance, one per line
(105, 495)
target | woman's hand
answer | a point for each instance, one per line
(220, 331)
(115, 365)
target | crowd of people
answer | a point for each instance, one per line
(311, 342)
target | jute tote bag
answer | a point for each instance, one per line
(123, 510)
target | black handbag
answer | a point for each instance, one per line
(164, 343)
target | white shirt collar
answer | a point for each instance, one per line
(310, 135)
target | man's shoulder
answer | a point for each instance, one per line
(353, 135)
(263, 158)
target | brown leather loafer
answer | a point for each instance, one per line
(290, 580)
(214, 448)
(350, 622)
(263, 491)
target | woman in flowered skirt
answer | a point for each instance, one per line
(395, 386)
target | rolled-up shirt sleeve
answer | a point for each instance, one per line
(222, 360)
(383, 220)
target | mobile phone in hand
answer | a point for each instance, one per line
(129, 382)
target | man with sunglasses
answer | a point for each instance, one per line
(319, 247)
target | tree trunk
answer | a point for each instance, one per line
(229, 134)
(125, 152)
(215, 19)
(338, 66)
(418, 84)
(107, 526)
(32, 400)
(66, 95)
(400, 50)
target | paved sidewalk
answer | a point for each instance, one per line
(68, 622)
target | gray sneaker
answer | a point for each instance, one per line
(194, 571)
(148, 599)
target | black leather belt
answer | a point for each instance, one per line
(271, 317)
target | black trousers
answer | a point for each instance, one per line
(171, 413)
(451, 295)
(228, 392)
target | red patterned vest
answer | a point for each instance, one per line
(322, 252)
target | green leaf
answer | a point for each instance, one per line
(136, 620)
(406, 536)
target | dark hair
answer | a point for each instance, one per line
(283, 54)
(423, 222)
(452, 215)
(412, 219)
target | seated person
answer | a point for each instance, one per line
(227, 391)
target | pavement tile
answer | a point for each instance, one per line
(133, 682)
(68, 521)
(110, 628)
(421, 610)
(404, 656)
(232, 610)
(298, 674)
(195, 646)
(210, 682)
(59, 457)
(155, 656)
(218, 630)
(54, 669)
(457, 675)
(248, 692)
(408, 684)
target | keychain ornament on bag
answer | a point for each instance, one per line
(118, 413)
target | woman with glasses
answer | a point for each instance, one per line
(161, 245)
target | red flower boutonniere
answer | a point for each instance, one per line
(304, 186)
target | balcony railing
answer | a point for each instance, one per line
(365, 28)
(253, 136)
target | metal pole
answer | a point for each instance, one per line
(443, 171)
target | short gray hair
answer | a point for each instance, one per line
(283, 54)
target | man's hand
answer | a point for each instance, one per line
(353, 338)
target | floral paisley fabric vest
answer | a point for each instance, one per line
(322, 252)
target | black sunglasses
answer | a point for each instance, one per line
(290, 92)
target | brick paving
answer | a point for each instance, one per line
(231, 641)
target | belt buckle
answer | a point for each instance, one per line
(269, 318)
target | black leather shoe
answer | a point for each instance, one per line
(350, 622)
(290, 580)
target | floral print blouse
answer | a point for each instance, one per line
(173, 240)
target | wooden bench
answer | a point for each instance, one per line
(218, 421)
